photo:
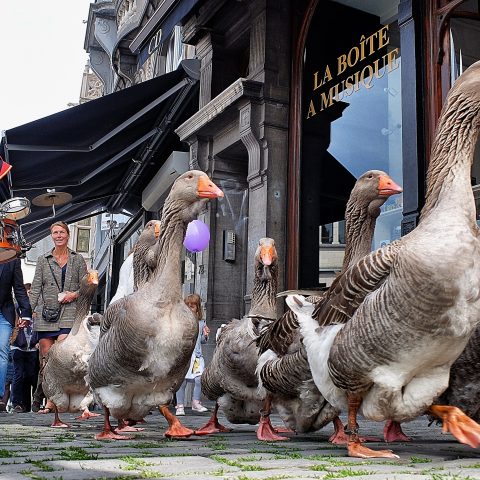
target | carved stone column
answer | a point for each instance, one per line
(257, 148)
(205, 54)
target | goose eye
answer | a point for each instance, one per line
(370, 176)
(190, 176)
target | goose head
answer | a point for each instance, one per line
(90, 280)
(150, 233)
(373, 189)
(266, 259)
(191, 191)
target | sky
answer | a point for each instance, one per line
(42, 57)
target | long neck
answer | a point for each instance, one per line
(84, 303)
(265, 286)
(448, 177)
(141, 269)
(169, 250)
(359, 228)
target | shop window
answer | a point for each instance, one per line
(351, 123)
(83, 240)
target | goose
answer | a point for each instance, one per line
(230, 377)
(397, 320)
(283, 368)
(143, 265)
(138, 266)
(142, 359)
(66, 365)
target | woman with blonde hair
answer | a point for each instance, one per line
(54, 292)
(197, 363)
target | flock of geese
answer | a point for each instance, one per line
(394, 337)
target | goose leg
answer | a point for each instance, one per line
(108, 433)
(392, 432)
(461, 426)
(175, 429)
(355, 447)
(57, 423)
(86, 414)
(124, 426)
(213, 425)
(265, 431)
(339, 436)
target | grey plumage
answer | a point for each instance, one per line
(285, 372)
(230, 377)
(143, 357)
(66, 364)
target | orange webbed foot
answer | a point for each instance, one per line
(392, 432)
(460, 425)
(110, 435)
(356, 449)
(266, 432)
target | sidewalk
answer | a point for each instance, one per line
(30, 449)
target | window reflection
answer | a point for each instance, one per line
(359, 130)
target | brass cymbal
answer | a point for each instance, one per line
(51, 198)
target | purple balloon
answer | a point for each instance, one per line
(197, 236)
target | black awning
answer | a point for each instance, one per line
(98, 150)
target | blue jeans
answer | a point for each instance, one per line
(197, 390)
(5, 334)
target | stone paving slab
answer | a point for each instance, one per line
(31, 449)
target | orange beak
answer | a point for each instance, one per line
(266, 254)
(387, 187)
(207, 189)
(156, 230)
(93, 278)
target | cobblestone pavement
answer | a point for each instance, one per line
(30, 449)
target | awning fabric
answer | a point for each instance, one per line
(96, 150)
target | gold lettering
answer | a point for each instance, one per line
(351, 63)
(377, 69)
(367, 82)
(383, 38)
(370, 41)
(315, 81)
(362, 47)
(349, 84)
(341, 64)
(311, 110)
(391, 57)
(326, 101)
(337, 92)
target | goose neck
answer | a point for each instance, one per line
(84, 303)
(359, 228)
(265, 286)
(449, 170)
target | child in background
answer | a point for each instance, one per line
(197, 363)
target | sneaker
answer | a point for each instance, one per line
(18, 409)
(3, 407)
(180, 411)
(198, 407)
(35, 406)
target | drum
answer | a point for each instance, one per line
(9, 240)
(15, 208)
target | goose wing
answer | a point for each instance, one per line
(284, 375)
(349, 290)
(113, 311)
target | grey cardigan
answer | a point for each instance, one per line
(43, 282)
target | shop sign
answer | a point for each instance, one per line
(335, 90)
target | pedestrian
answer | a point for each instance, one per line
(197, 362)
(54, 293)
(11, 280)
(25, 366)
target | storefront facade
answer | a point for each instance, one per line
(368, 81)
